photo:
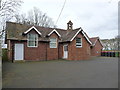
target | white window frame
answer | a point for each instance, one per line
(80, 43)
(34, 41)
(53, 43)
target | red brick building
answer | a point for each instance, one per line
(96, 47)
(26, 42)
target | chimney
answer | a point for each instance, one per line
(69, 25)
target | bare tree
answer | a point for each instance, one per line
(8, 9)
(0, 3)
(35, 17)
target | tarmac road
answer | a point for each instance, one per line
(0, 74)
(99, 72)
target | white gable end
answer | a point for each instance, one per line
(31, 29)
(55, 32)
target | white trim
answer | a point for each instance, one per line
(87, 38)
(16, 49)
(31, 29)
(79, 46)
(54, 31)
(75, 35)
(84, 35)
(100, 42)
(55, 43)
(28, 41)
(96, 41)
(64, 51)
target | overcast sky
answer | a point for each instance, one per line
(96, 17)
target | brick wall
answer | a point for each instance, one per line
(60, 51)
(9, 46)
(96, 50)
(52, 53)
(35, 53)
(44, 52)
(82, 53)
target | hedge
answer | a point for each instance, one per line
(4, 54)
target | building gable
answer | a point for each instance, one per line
(53, 32)
(65, 35)
(50, 43)
(80, 30)
(87, 38)
(100, 42)
(94, 41)
(32, 28)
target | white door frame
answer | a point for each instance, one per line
(19, 51)
(65, 53)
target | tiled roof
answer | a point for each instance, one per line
(16, 30)
(70, 35)
(94, 40)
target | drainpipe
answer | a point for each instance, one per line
(0, 65)
(13, 51)
(46, 51)
(0, 51)
(58, 50)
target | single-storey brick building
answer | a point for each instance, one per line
(27, 42)
(96, 47)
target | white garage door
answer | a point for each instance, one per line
(19, 52)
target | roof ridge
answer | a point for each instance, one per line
(34, 25)
(17, 23)
(77, 28)
(94, 37)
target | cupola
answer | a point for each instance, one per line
(69, 25)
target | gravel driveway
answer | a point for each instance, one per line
(99, 72)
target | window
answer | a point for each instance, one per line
(32, 40)
(53, 42)
(65, 47)
(78, 42)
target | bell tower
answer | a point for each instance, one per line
(69, 25)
